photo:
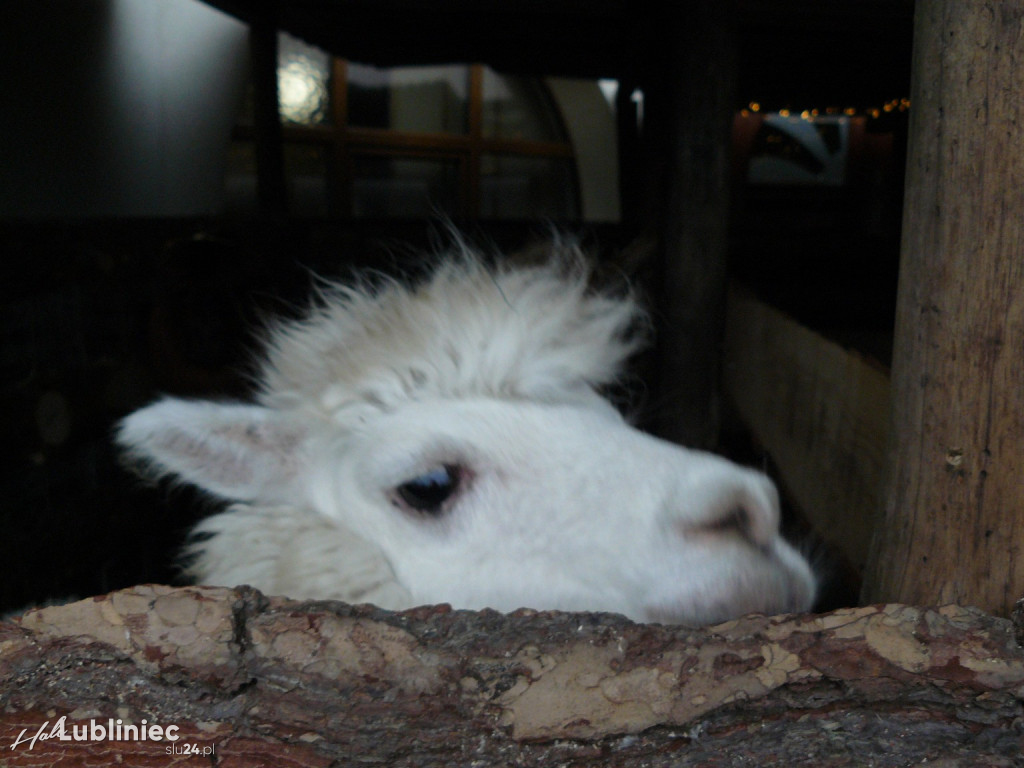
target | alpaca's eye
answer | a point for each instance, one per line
(428, 492)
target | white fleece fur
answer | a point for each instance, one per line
(492, 374)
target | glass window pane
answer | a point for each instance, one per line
(513, 187)
(303, 79)
(410, 99)
(518, 108)
(404, 187)
(305, 167)
(797, 150)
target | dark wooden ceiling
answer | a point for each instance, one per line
(792, 52)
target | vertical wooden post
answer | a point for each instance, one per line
(694, 110)
(271, 191)
(953, 527)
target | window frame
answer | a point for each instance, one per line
(343, 143)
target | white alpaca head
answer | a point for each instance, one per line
(447, 443)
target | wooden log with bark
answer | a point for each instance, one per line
(256, 680)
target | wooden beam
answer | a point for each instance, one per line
(953, 526)
(821, 413)
(688, 115)
(250, 680)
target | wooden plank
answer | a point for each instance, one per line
(819, 410)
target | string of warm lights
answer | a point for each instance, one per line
(896, 105)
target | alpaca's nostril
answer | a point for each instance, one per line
(736, 521)
(725, 503)
(748, 513)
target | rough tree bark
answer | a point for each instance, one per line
(954, 519)
(268, 681)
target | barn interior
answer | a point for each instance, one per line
(173, 173)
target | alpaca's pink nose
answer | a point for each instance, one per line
(744, 506)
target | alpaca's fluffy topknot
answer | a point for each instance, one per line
(468, 330)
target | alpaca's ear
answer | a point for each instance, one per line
(236, 451)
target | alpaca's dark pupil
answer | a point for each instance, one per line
(428, 492)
